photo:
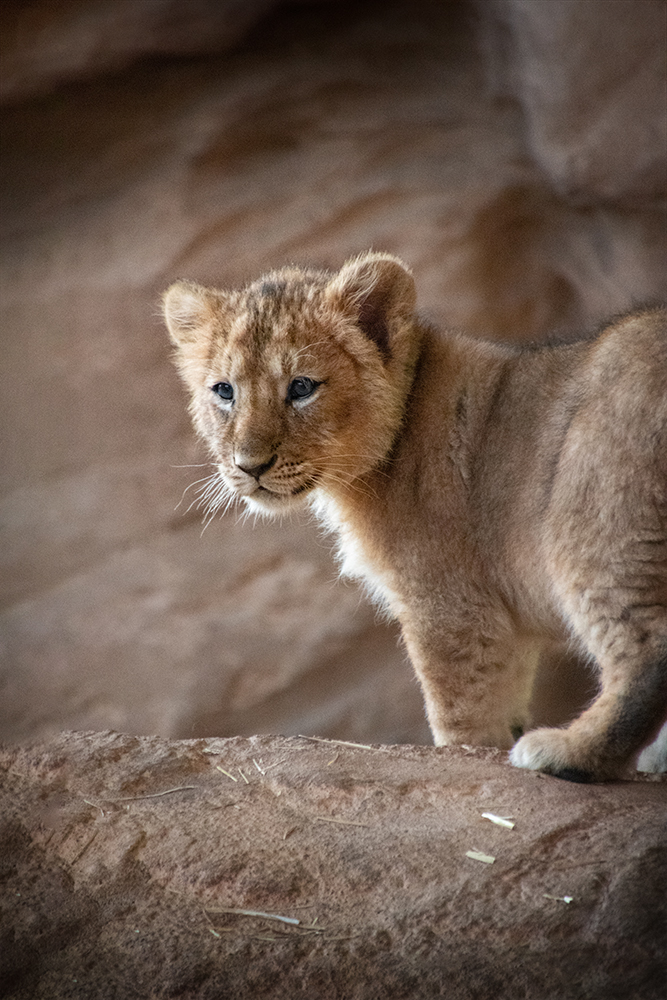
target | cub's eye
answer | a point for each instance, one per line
(301, 388)
(223, 389)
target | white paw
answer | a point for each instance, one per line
(532, 753)
(549, 750)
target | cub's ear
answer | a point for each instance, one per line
(188, 310)
(380, 290)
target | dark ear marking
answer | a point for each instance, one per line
(380, 290)
(373, 322)
(272, 289)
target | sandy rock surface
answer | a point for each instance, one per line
(126, 861)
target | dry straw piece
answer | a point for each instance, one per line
(499, 820)
(478, 856)
(253, 913)
(345, 822)
(154, 795)
(218, 768)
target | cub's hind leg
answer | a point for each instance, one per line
(604, 546)
(624, 627)
(604, 741)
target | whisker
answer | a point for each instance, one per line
(213, 485)
(373, 458)
(196, 483)
(348, 484)
(213, 496)
(347, 477)
(205, 492)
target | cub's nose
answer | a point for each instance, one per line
(250, 465)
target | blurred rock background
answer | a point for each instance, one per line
(511, 151)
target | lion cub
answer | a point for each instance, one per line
(495, 498)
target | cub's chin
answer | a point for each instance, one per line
(264, 501)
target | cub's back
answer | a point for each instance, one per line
(575, 453)
(626, 364)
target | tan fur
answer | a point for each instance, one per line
(497, 499)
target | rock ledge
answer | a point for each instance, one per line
(126, 862)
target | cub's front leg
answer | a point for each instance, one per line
(476, 688)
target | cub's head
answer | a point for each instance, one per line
(299, 380)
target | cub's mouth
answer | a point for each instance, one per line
(271, 499)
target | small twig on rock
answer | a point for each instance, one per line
(84, 849)
(252, 913)
(346, 822)
(499, 820)
(343, 743)
(488, 859)
(154, 795)
(94, 805)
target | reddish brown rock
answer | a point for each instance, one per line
(46, 43)
(320, 135)
(126, 861)
(590, 76)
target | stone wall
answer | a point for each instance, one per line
(590, 78)
(146, 141)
